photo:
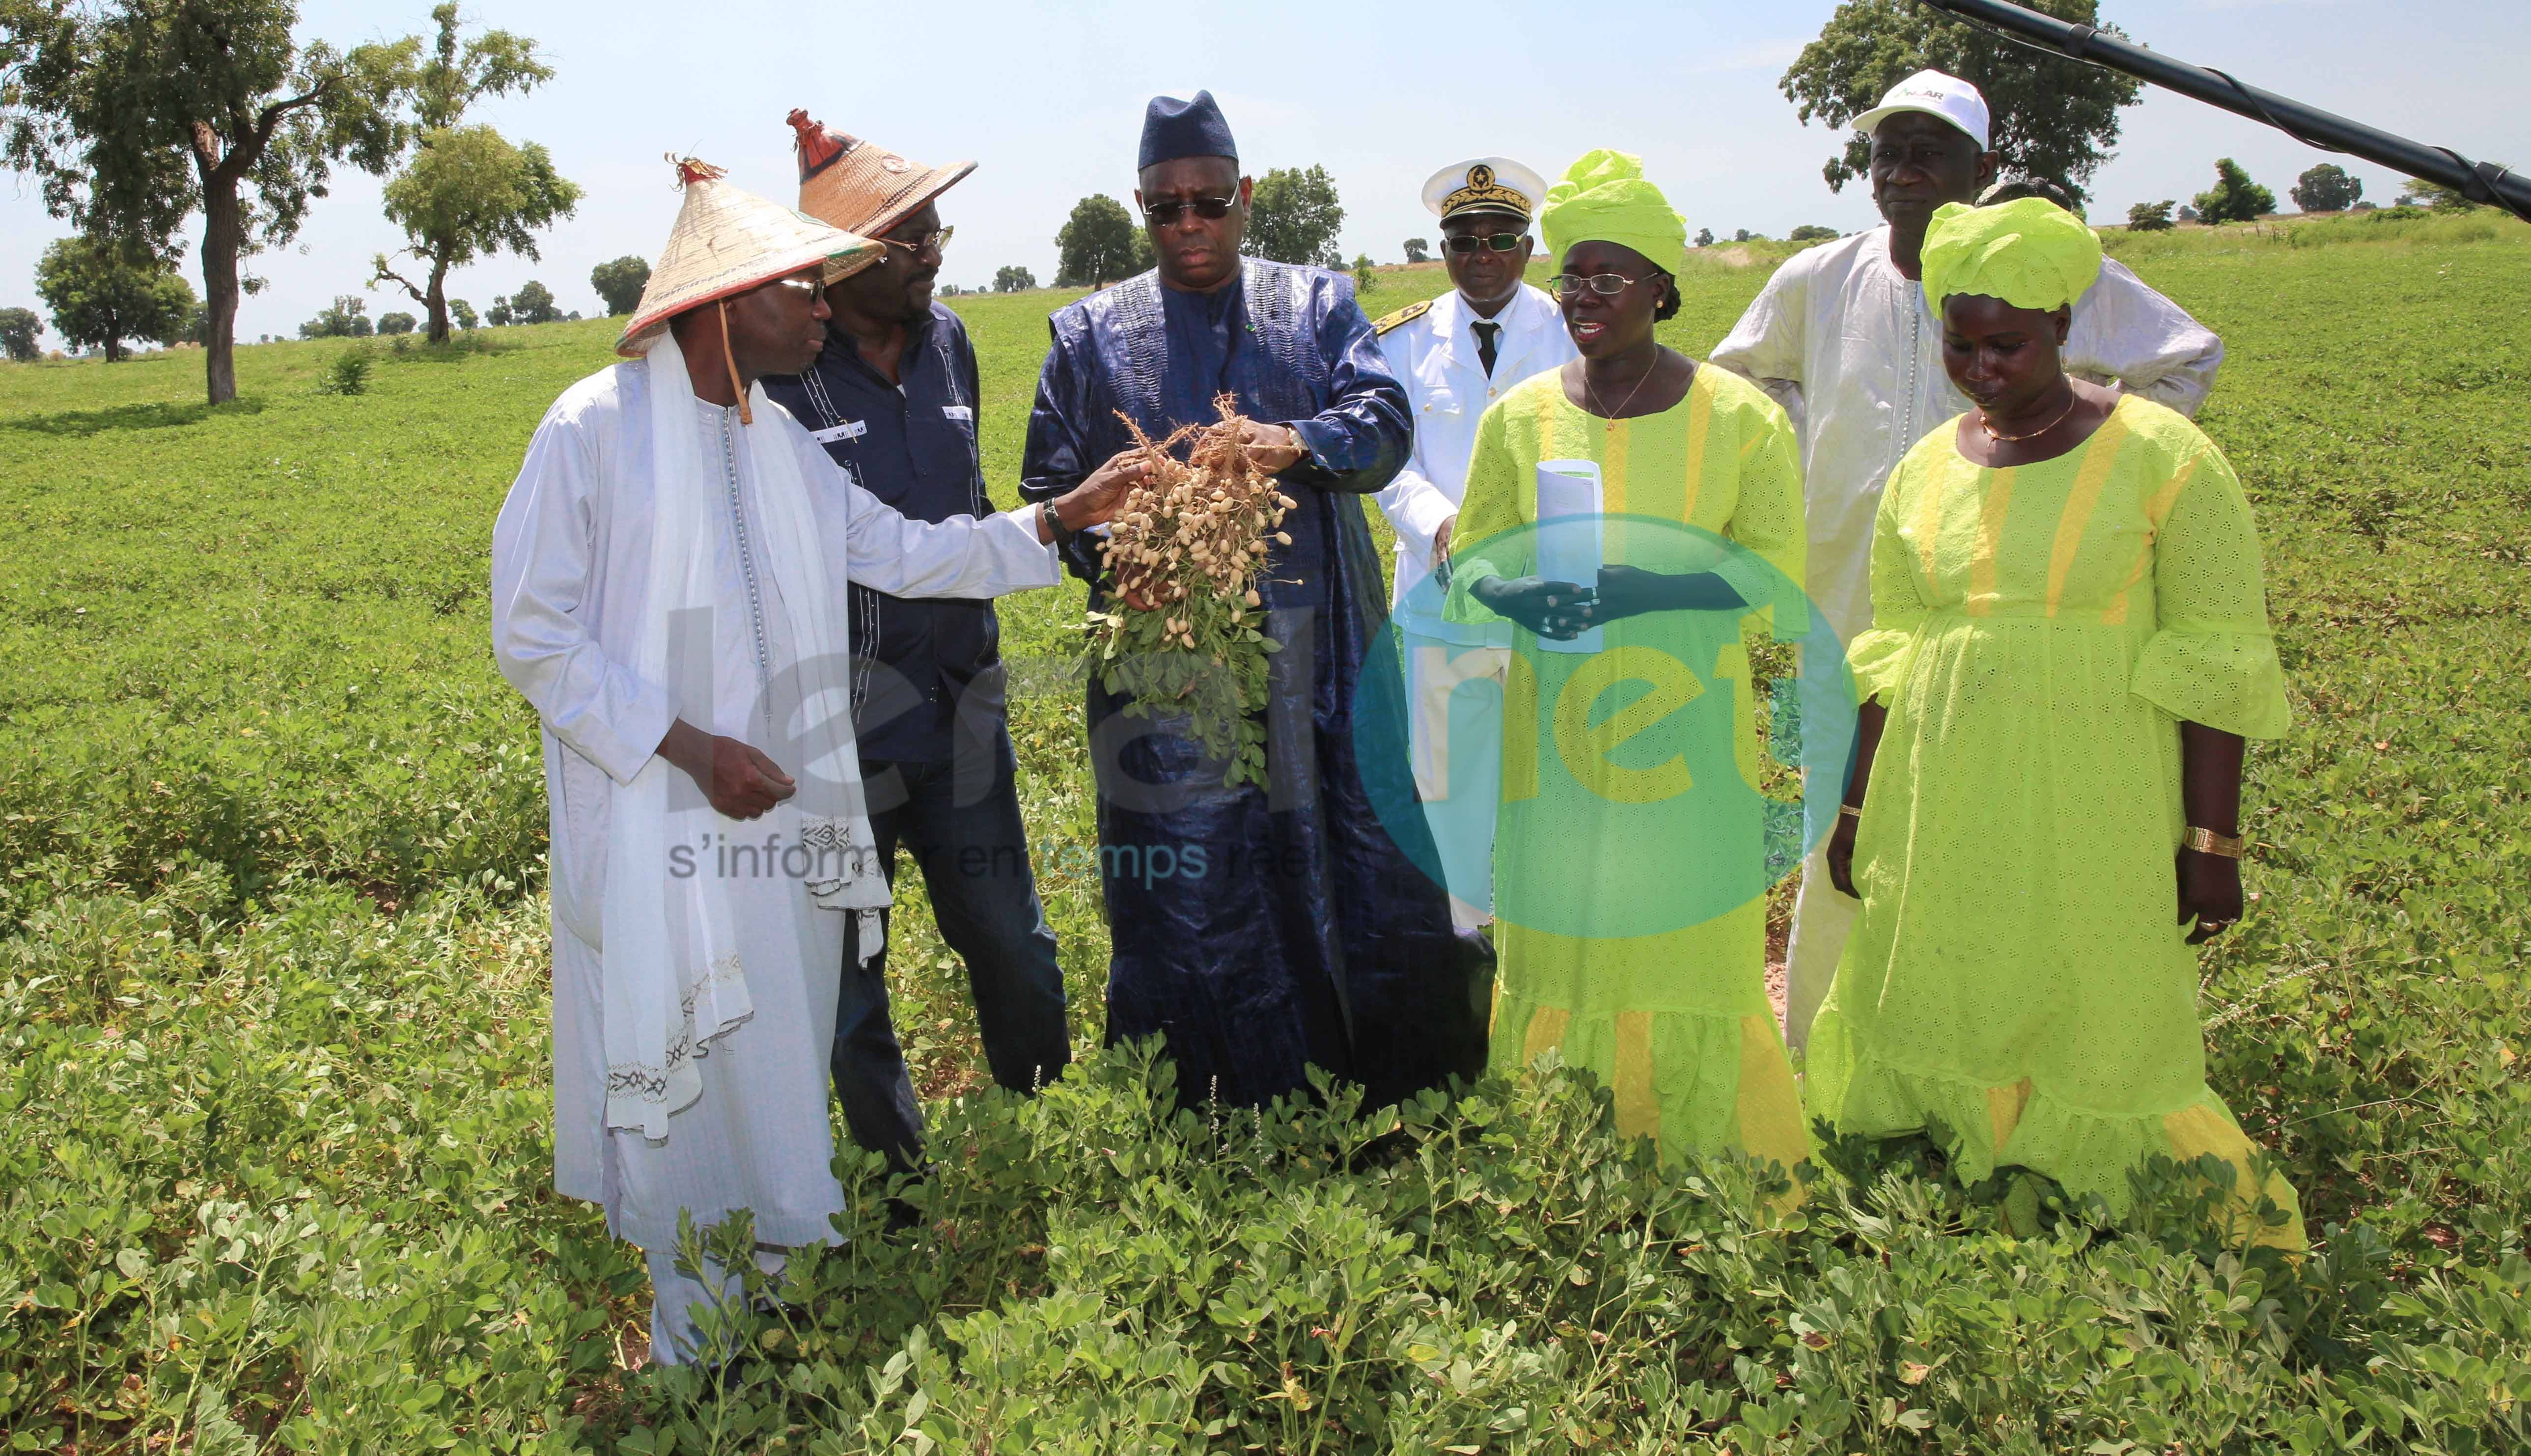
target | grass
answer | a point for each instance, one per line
(272, 1056)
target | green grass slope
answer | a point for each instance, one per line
(272, 1055)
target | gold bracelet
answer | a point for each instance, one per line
(1849, 812)
(2207, 842)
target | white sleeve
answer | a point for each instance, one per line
(2127, 334)
(542, 548)
(962, 557)
(1416, 507)
(1767, 345)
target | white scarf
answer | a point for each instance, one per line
(674, 981)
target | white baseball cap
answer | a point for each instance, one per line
(1947, 97)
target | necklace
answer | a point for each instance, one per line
(2004, 439)
(1608, 418)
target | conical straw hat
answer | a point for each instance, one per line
(729, 239)
(850, 183)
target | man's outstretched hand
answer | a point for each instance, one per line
(1096, 500)
(741, 782)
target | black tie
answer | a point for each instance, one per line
(1485, 345)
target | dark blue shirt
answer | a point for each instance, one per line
(922, 669)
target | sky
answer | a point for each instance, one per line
(1049, 99)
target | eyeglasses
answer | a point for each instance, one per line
(808, 283)
(1211, 209)
(930, 242)
(1570, 284)
(1498, 242)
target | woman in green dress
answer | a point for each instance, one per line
(1629, 878)
(2069, 644)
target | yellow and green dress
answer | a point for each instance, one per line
(2019, 983)
(1630, 773)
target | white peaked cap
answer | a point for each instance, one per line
(1945, 97)
(1485, 184)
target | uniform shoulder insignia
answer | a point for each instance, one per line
(1408, 314)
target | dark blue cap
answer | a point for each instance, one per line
(1174, 129)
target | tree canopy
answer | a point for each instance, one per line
(347, 317)
(2233, 198)
(620, 283)
(1293, 217)
(1096, 245)
(18, 330)
(398, 323)
(2051, 116)
(102, 291)
(1418, 251)
(134, 115)
(2151, 217)
(1011, 278)
(468, 190)
(2327, 187)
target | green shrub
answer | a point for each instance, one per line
(348, 373)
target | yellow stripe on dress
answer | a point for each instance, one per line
(1981, 596)
(2201, 1129)
(1699, 425)
(1619, 440)
(1545, 1032)
(2156, 509)
(2082, 503)
(1638, 1105)
(1769, 1103)
(1929, 531)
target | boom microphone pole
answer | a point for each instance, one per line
(2488, 183)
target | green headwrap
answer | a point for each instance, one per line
(2029, 252)
(1605, 198)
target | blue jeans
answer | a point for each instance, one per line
(967, 840)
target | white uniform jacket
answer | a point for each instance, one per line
(1435, 356)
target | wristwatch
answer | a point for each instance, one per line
(2207, 842)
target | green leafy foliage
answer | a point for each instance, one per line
(2233, 198)
(620, 283)
(469, 192)
(1097, 245)
(2051, 116)
(1418, 251)
(349, 373)
(1294, 216)
(1012, 278)
(20, 328)
(1812, 233)
(2151, 217)
(2326, 188)
(273, 993)
(347, 317)
(134, 116)
(397, 324)
(102, 292)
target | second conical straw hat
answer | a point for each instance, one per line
(861, 185)
(729, 239)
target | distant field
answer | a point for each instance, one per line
(272, 1010)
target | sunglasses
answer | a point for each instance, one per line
(1570, 284)
(1211, 209)
(930, 242)
(1498, 242)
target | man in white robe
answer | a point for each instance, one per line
(1842, 338)
(668, 579)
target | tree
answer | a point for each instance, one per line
(397, 324)
(18, 330)
(1013, 279)
(2327, 187)
(347, 319)
(102, 291)
(2233, 198)
(2150, 217)
(534, 303)
(1744, 235)
(1293, 217)
(134, 115)
(462, 311)
(467, 191)
(1096, 243)
(620, 283)
(2051, 116)
(1705, 237)
(1811, 232)
(2187, 213)
(2420, 193)
(1418, 251)
(1362, 274)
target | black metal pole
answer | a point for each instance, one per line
(2488, 183)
